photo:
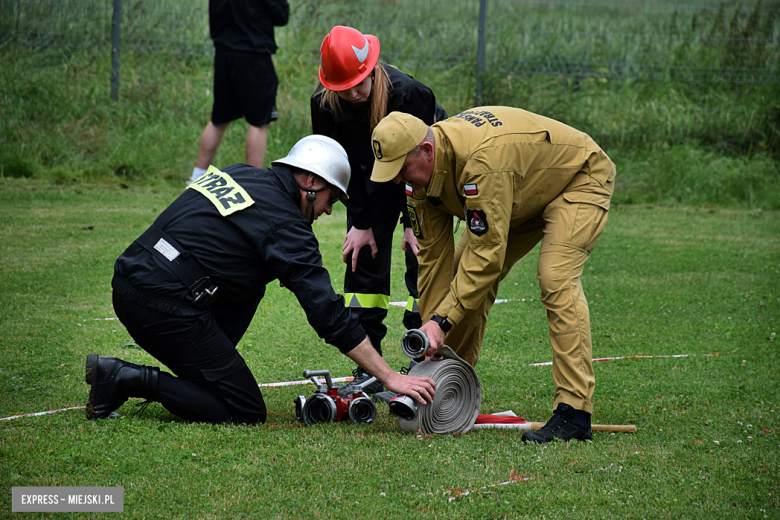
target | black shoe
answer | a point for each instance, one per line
(112, 381)
(561, 426)
(360, 376)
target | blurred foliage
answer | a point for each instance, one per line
(641, 79)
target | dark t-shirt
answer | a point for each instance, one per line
(247, 25)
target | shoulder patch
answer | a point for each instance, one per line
(415, 221)
(226, 194)
(470, 189)
(477, 220)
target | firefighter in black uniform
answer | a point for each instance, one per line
(355, 92)
(187, 289)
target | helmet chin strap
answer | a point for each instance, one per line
(311, 195)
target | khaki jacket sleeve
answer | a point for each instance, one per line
(487, 213)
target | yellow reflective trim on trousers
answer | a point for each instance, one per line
(367, 301)
(411, 304)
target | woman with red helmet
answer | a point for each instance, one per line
(354, 93)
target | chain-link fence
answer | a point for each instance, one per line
(703, 40)
(521, 53)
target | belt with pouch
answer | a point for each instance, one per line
(181, 263)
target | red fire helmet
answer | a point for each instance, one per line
(347, 57)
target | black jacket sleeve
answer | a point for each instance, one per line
(291, 251)
(300, 269)
(417, 100)
(360, 212)
(349, 136)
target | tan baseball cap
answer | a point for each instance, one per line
(394, 137)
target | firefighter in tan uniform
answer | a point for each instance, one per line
(516, 178)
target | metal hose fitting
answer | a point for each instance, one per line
(414, 343)
(300, 402)
(403, 407)
(319, 408)
(362, 410)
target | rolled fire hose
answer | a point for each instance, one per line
(457, 401)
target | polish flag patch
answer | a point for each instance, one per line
(409, 191)
(470, 189)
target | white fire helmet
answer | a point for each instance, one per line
(322, 156)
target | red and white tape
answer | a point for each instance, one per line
(303, 382)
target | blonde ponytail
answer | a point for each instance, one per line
(380, 88)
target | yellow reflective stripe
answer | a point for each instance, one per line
(367, 301)
(411, 304)
(226, 194)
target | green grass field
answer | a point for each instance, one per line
(663, 280)
(689, 264)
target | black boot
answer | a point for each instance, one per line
(113, 381)
(565, 424)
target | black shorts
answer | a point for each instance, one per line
(244, 85)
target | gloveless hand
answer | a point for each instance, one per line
(355, 240)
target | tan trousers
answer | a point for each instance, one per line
(568, 228)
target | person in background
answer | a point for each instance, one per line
(245, 81)
(354, 93)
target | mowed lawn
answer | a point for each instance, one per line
(663, 281)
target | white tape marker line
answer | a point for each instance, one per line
(462, 493)
(500, 300)
(42, 413)
(549, 363)
(266, 385)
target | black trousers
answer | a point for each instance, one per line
(214, 384)
(372, 276)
